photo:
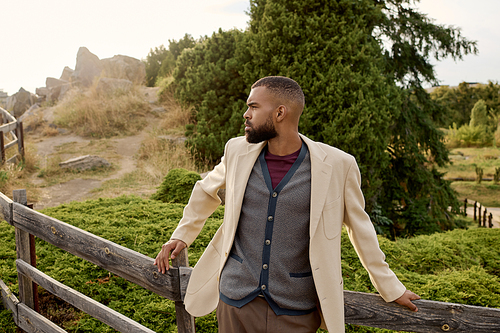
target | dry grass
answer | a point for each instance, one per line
(16, 176)
(465, 160)
(176, 117)
(92, 114)
(158, 155)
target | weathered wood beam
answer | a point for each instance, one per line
(130, 265)
(10, 144)
(108, 316)
(6, 128)
(7, 115)
(33, 322)
(6, 208)
(23, 251)
(185, 322)
(9, 300)
(371, 310)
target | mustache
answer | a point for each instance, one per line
(248, 123)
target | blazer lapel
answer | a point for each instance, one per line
(241, 173)
(321, 173)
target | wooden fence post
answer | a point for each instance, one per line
(26, 294)
(479, 214)
(465, 207)
(185, 322)
(490, 220)
(2, 146)
(475, 208)
(20, 138)
(484, 216)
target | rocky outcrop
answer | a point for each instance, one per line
(124, 67)
(21, 101)
(117, 73)
(85, 162)
(66, 74)
(108, 86)
(88, 66)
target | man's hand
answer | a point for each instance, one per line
(406, 299)
(162, 259)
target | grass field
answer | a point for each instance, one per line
(460, 266)
(465, 160)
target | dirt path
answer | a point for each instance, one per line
(80, 189)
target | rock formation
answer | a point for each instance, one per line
(21, 101)
(117, 73)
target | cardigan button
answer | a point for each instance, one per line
(265, 266)
(268, 242)
(263, 287)
(270, 218)
(275, 194)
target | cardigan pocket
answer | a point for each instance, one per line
(332, 218)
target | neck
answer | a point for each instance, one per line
(283, 145)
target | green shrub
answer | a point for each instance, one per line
(469, 136)
(461, 266)
(176, 186)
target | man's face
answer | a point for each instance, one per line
(259, 125)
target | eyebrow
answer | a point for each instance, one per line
(252, 103)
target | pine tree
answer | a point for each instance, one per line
(328, 49)
(207, 78)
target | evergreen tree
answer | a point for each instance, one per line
(359, 97)
(327, 47)
(207, 78)
(479, 115)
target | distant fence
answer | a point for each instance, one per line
(360, 308)
(477, 215)
(9, 125)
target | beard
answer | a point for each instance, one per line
(265, 132)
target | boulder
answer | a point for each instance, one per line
(88, 66)
(21, 101)
(124, 67)
(111, 86)
(66, 74)
(54, 86)
(85, 162)
(42, 92)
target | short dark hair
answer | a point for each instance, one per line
(283, 87)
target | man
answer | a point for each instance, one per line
(274, 265)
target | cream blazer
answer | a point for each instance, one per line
(336, 199)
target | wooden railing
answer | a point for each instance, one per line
(9, 125)
(360, 308)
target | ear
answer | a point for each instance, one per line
(281, 113)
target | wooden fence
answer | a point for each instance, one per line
(360, 308)
(477, 214)
(9, 125)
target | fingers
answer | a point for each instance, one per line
(406, 299)
(162, 259)
(179, 245)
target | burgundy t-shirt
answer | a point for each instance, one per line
(278, 166)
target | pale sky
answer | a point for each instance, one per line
(39, 38)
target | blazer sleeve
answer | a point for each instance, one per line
(202, 203)
(364, 238)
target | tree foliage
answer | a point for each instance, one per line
(361, 97)
(457, 102)
(161, 61)
(207, 77)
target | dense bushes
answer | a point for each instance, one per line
(461, 266)
(362, 95)
(177, 186)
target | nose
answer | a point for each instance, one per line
(246, 115)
